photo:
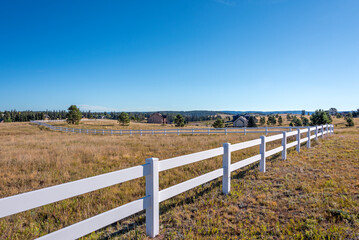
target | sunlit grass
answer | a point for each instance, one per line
(312, 194)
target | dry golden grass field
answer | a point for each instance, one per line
(113, 124)
(312, 195)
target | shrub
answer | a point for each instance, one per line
(296, 122)
(219, 123)
(252, 122)
(280, 121)
(124, 119)
(350, 122)
(305, 121)
(179, 121)
(271, 120)
(262, 121)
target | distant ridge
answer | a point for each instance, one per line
(267, 113)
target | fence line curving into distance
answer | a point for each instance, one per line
(176, 131)
(150, 170)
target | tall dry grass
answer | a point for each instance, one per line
(33, 157)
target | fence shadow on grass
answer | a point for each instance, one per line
(165, 207)
(206, 188)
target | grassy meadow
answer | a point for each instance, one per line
(314, 194)
(114, 125)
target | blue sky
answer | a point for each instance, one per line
(179, 55)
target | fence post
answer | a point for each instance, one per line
(284, 144)
(208, 130)
(245, 133)
(95, 131)
(87, 131)
(298, 140)
(266, 131)
(131, 132)
(120, 132)
(141, 132)
(153, 132)
(290, 129)
(178, 132)
(152, 211)
(226, 162)
(262, 163)
(192, 131)
(308, 136)
(111, 132)
(103, 132)
(225, 130)
(316, 133)
(327, 129)
(322, 131)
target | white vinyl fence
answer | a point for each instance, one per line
(177, 131)
(150, 170)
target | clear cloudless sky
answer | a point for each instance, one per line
(179, 55)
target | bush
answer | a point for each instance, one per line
(280, 121)
(179, 121)
(262, 121)
(124, 119)
(74, 115)
(350, 122)
(219, 123)
(271, 120)
(305, 121)
(296, 122)
(252, 122)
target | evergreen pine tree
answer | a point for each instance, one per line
(124, 119)
(219, 123)
(280, 120)
(350, 122)
(262, 121)
(179, 121)
(74, 115)
(252, 122)
(320, 117)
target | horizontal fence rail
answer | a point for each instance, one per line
(150, 170)
(176, 131)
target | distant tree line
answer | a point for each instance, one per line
(25, 116)
(188, 116)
